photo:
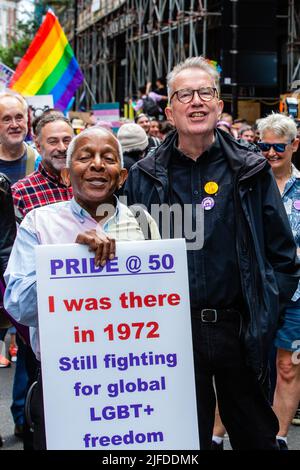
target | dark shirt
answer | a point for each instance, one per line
(15, 169)
(218, 255)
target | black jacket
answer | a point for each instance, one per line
(265, 245)
(7, 222)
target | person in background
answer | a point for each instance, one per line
(148, 101)
(144, 121)
(34, 124)
(53, 134)
(161, 89)
(134, 141)
(278, 142)
(154, 128)
(247, 134)
(78, 125)
(236, 127)
(16, 157)
(225, 123)
(165, 127)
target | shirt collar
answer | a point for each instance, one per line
(82, 213)
(50, 176)
(212, 153)
(295, 175)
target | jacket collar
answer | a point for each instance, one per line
(244, 159)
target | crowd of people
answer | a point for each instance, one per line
(182, 149)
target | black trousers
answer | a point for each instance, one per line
(243, 406)
(37, 415)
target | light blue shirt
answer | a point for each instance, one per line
(58, 223)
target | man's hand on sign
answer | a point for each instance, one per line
(103, 246)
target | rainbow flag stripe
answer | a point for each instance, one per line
(49, 66)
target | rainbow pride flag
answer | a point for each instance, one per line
(49, 66)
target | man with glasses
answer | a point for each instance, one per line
(247, 256)
(278, 142)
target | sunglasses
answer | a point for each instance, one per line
(280, 148)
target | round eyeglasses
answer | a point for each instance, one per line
(186, 95)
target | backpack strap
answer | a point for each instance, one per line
(30, 160)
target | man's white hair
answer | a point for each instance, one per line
(92, 131)
(7, 93)
(197, 63)
(281, 125)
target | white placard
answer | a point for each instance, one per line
(39, 103)
(116, 347)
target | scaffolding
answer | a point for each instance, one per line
(293, 45)
(124, 44)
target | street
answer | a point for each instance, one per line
(13, 443)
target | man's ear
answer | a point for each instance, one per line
(65, 176)
(37, 144)
(122, 177)
(169, 114)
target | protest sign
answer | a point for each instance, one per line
(116, 347)
(39, 103)
(5, 76)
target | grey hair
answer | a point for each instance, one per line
(281, 125)
(90, 131)
(51, 117)
(7, 93)
(197, 63)
(245, 129)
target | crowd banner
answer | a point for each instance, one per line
(5, 76)
(107, 113)
(39, 104)
(116, 348)
(49, 66)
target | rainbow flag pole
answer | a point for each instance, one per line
(49, 66)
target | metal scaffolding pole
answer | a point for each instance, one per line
(139, 40)
(293, 44)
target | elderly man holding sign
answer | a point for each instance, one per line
(94, 217)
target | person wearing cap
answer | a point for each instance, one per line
(78, 125)
(134, 141)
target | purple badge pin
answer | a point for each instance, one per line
(208, 203)
(296, 204)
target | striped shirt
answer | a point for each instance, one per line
(38, 189)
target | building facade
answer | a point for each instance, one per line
(8, 18)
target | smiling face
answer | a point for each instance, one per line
(95, 170)
(279, 161)
(144, 122)
(52, 143)
(249, 136)
(13, 121)
(197, 117)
